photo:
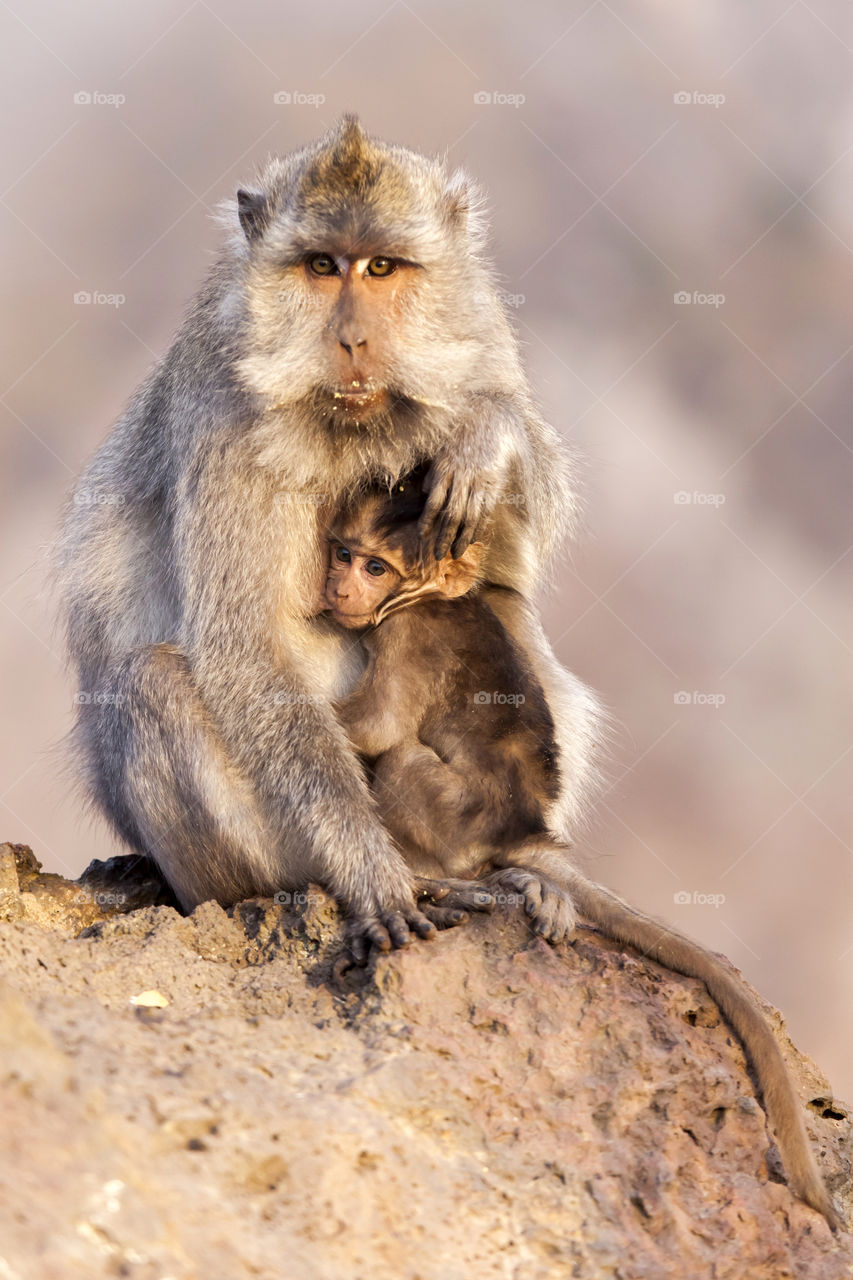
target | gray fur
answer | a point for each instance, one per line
(208, 740)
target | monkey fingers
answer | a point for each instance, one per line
(445, 917)
(548, 904)
(459, 895)
(391, 929)
(450, 514)
(438, 484)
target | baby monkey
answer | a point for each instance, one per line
(456, 732)
(448, 714)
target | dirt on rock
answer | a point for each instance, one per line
(200, 1098)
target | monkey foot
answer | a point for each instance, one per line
(452, 900)
(386, 930)
(549, 905)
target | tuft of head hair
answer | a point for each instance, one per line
(369, 194)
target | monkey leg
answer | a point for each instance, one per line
(161, 776)
(420, 799)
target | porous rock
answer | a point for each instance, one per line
(483, 1105)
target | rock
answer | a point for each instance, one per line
(482, 1105)
(125, 884)
(105, 889)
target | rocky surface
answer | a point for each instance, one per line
(201, 1097)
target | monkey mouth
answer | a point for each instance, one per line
(352, 621)
(359, 399)
(332, 607)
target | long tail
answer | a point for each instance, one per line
(622, 923)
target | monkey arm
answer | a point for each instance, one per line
(236, 549)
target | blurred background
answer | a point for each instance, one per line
(672, 197)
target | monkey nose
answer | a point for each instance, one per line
(353, 343)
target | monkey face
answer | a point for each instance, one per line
(367, 302)
(357, 584)
(359, 297)
(362, 587)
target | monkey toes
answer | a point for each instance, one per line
(451, 900)
(549, 905)
(390, 929)
(442, 904)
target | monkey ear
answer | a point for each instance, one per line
(464, 209)
(458, 576)
(253, 208)
(457, 198)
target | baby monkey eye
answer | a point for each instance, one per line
(381, 266)
(343, 555)
(375, 568)
(323, 264)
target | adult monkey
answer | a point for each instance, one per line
(349, 331)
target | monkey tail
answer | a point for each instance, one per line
(622, 923)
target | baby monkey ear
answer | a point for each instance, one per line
(254, 213)
(456, 577)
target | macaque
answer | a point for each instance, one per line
(349, 330)
(460, 746)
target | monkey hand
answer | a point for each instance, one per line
(549, 904)
(461, 498)
(386, 929)
(447, 902)
(441, 905)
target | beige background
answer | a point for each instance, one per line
(609, 198)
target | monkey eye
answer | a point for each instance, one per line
(381, 266)
(343, 555)
(375, 568)
(323, 264)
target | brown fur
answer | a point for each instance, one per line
(464, 781)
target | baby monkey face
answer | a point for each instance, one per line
(372, 572)
(357, 583)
